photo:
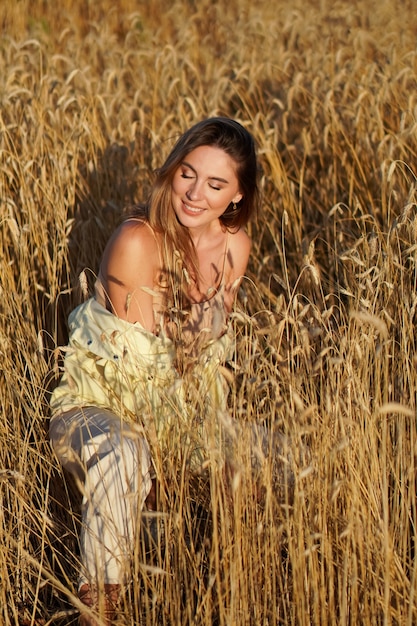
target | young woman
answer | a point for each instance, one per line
(152, 337)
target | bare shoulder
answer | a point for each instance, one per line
(133, 242)
(239, 246)
(134, 233)
(240, 242)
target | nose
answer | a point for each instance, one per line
(194, 191)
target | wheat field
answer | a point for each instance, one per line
(319, 527)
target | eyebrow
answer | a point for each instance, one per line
(220, 180)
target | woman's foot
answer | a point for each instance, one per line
(89, 597)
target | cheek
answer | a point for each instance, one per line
(223, 204)
(177, 185)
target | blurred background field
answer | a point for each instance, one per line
(321, 530)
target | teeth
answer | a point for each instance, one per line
(191, 208)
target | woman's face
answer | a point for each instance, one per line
(203, 186)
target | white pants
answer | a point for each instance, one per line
(113, 461)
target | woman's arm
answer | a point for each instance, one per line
(129, 271)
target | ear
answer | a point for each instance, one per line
(238, 197)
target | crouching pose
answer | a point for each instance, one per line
(154, 334)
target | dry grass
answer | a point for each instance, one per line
(91, 97)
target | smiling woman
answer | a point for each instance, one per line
(203, 187)
(154, 336)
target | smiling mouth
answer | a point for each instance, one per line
(192, 209)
